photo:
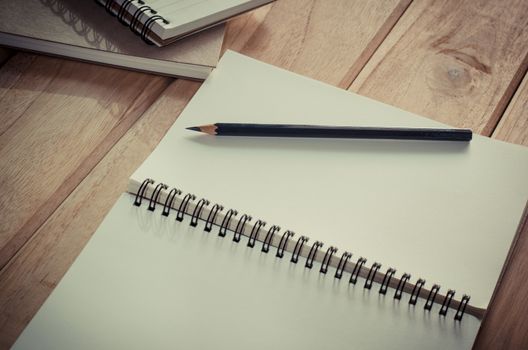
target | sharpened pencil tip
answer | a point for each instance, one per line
(194, 128)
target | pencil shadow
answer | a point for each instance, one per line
(332, 145)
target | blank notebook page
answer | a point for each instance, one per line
(145, 281)
(443, 211)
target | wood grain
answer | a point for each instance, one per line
(458, 62)
(239, 30)
(31, 276)
(505, 324)
(329, 40)
(513, 126)
(60, 118)
(15, 72)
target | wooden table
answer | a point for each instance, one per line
(72, 133)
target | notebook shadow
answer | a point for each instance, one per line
(333, 145)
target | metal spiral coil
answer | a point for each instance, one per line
(141, 191)
(225, 223)
(212, 216)
(357, 269)
(198, 210)
(327, 258)
(386, 280)
(239, 231)
(298, 248)
(431, 297)
(254, 233)
(447, 300)
(134, 23)
(401, 286)
(183, 206)
(123, 10)
(462, 307)
(313, 252)
(108, 6)
(416, 291)
(283, 242)
(169, 200)
(148, 25)
(136, 17)
(269, 238)
(154, 196)
(342, 264)
(372, 275)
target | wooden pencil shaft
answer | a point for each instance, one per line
(317, 131)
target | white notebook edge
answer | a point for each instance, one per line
(147, 65)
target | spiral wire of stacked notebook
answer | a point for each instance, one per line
(164, 21)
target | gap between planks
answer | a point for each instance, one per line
(513, 89)
(375, 43)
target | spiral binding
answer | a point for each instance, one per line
(245, 219)
(342, 265)
(239, 231)
(134, 23)
(283, 242)
(327, 258)
(254, 233)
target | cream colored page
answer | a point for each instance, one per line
(182, 12)
(442, 211)
(149, 282)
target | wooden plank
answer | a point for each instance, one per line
(329, 40)
(22, 80)
(458, 62)
(513, 126)
(240, 29)
(61, 117)
(31, 276)
(505, 324)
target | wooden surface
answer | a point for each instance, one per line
(72, 133)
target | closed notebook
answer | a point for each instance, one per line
(333, 243)
(83, 30)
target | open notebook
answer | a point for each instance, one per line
(434, 221)
(83, 30)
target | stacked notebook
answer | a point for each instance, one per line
(85, 31)
(231, 242)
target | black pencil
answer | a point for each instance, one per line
(320, 131)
